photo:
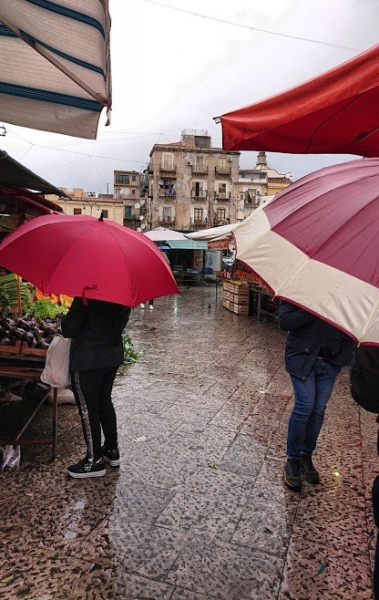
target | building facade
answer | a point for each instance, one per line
(254, 186)
(81, 203)
(191, 184)
(127, 187)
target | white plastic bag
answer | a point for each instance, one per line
(56, 372)
(11, 457)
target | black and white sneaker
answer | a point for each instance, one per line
(112, 457)
(86, 468)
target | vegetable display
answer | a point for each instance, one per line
(41, 320)
(8, 293)
(36, 332)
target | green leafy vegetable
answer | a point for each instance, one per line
(44, 309)
(130, 354)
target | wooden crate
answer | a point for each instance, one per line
(236, 296)
(238, 289)
(26, 351)
(16, 349)
(236, 308)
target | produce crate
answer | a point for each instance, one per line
(15, 349)
(25, 350)
(236, 296)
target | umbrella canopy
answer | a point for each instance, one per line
(214, 232)
(161, 234)
(55, 72)
(84, 256)
(317, 245)
(334, 113)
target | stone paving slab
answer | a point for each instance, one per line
(198, 509)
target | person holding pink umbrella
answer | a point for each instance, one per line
(95, 328)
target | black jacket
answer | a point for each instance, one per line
(364, 380)
(95, 330)
(310, 337)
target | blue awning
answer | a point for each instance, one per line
(187, 245)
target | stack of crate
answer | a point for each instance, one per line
(236, 296)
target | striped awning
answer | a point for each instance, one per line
(55, 72)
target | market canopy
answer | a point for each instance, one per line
(21, 194)
(14, 173)
(163, 234)
(55, 72)
(187, 245)
(213, 232)
(22, 205)
(334, 113)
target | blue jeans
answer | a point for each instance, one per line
(311, 398)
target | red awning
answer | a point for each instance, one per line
(27, 204)
(219, 245)
(334, 113)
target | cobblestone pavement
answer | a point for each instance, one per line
(198, 509)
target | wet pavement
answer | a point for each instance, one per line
(198, 509)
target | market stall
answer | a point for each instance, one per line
(22, 352)
(187, 260)
(16, 377)
(245, 293)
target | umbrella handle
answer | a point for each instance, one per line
(87, 287)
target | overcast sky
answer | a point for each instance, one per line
(177, 64)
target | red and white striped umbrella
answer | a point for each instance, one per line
(317, 245)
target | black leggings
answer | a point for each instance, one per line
(93, 395)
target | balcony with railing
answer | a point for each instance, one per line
(168, 170)
(223, 196)
(167, 194)
(223, 171)
(253, 203)
(199, 170)
(198, 196)
(198, 223)
(167, 222)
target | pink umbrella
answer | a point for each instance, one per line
(317, 245)
(84, 256)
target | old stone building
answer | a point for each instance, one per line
(254, 186)
(191, 183)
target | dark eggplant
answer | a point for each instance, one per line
(23, 324)
(4, 323)
(43, 345)
(28, 337)
(50, 331)
(16, 333)
(38, 332)
(6, 342)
